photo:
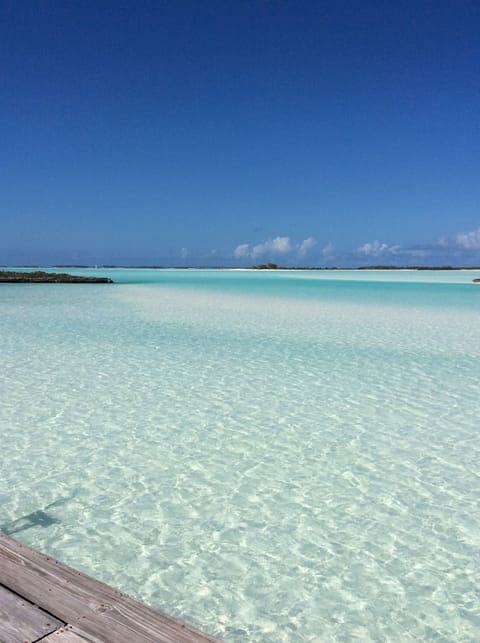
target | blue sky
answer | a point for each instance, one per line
(236, 132)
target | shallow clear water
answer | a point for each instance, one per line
(269, 456)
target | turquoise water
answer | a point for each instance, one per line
(269, 456)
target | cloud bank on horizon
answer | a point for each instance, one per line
(463, 247)
(465, 244)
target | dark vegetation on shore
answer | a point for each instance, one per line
(270, 266)
(40, 277)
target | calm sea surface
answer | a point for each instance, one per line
(284, 456)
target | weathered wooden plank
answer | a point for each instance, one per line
(81, 636)
(72, 634)
(67, 635)
(20, 621)
(96, 609)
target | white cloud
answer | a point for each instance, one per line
(328, 252)
(376, 249)
(241, 251)
(274, 247)
(469, 240)
(184, 253)
(306, 246)
(279, 245)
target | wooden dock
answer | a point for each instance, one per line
(44, 600)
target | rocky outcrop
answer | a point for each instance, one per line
(41, 277)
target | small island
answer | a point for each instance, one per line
(41, 277)
(266, 266)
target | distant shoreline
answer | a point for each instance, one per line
(259, 267)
